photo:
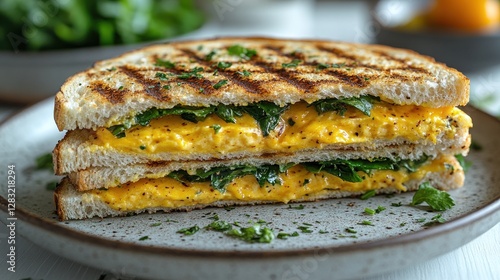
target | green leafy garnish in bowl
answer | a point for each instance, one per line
(34, 25)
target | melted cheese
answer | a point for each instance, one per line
(297, 184)
(172, 134)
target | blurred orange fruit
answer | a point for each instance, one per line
(466, 15)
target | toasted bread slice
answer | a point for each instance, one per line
(111, 176)
(74, 154)
(72, 204)
(210, 72)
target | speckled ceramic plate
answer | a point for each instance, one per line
(333, 242)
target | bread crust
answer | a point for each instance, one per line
(118, 88)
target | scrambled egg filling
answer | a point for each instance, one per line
(301, 127)
(297, 184)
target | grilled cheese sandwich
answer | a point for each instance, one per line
(252, 120)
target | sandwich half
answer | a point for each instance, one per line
(234, 121)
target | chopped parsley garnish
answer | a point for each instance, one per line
(142, 147)
(351, 230)
(438, 219)
(44, 162)
(305, 229)
(224, 65)
(189, 230)
(215, 217)
(436, 199)
(291, 122)
(463, 162)
(399, 204)
(420, 220)
(292, 64)
(322, 66)
(369, 211)
(298, 207)
(161, 75)
(164, 63)
(193, 73)
(253, 234)
(144, 238)
(368, 194)
(244, 73)
(219, 226)
(51, 186)
(379, 209)
(216, 128)
(241, 51)
(256, 233)
(366, 223)
(284, 235)
(475, 146)
(210, 55)
(155, 224)
(220, 84)
(338, 65)
(167, 87)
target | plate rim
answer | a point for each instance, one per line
(464, 220)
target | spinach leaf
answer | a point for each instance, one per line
(228, 112)
(362, 103)
(220, 177)
(412, 165)
(267, 114)
(347, 170)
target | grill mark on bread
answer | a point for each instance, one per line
(289, 77)
(352, 80)
(151, 87)
(279, 51)
(286, 76)
(252, 86)
(386, 72)
(113, 95)
(338, 53)
(195, 83)
(405, 63)
(353, 61)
